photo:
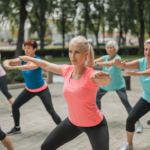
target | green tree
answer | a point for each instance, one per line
(37, 16)
(96, 14)
(66, 11)
(135, 9)
(83, 19)
(15, 10)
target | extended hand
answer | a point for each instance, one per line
(118, 63)
(8, 67)
(99, 74)
(132, 73)
(24, 58)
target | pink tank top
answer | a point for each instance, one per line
(81, 96)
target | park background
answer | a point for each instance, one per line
(53, 23)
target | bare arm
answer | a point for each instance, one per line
(98, 59)
(101, 78)
(145, 73)
(127, 65)
(43, 64)
(10, 62)
(105, 63)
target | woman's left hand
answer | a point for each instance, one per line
(99, 74)
(132, 73)
(24, 58)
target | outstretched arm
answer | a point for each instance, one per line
(105, 63)
(101, 78)
(43, 64)
(127, 65)
(145, 73)
(11, 64)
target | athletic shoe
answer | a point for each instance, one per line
(14, 131)
(127, 147)
(148, 122)
(139, 128)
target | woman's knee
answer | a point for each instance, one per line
(130, 120)
(14, 106)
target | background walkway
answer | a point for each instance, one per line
(36, 123)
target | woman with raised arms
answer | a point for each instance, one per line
(80, 88)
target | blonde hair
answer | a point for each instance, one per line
(87, 47)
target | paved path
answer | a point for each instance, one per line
(36, 123)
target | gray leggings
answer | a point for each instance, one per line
(121, 93)
(3, 87)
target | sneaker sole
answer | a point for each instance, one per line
(139, 132)
(17, 132)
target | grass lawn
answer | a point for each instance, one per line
(65, 59)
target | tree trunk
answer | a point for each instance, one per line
(23, 16)
(63, 30)
(85, 21)
(42, 28)
(120, 32)
(97, 44)
(141, 38)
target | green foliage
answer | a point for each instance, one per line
(10, 40)
(2, 39)
(59, 52)
(14, 76)
(34, 38)
(48, 40)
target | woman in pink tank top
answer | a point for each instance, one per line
(80, 88)
(3, 84)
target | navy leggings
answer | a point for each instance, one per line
(3, 87)
(2, 135)
(121, 93)
(98, 135)
(25, 96)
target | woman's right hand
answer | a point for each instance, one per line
(24, 58)
(119, 64)
(7, 66)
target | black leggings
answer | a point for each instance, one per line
(25, 96)
(66, 131)
(3, 87)
(139, 110)
(121, 93)
(2, 135)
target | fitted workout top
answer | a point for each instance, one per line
(117, 80)
(33, 78)
(80, 96)
(145, 81)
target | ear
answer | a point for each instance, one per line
(86, 54)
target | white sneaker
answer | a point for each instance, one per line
(139, 128)
(127, 147)
(11, 114)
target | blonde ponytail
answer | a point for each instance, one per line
(87, 47)
(90, 57)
